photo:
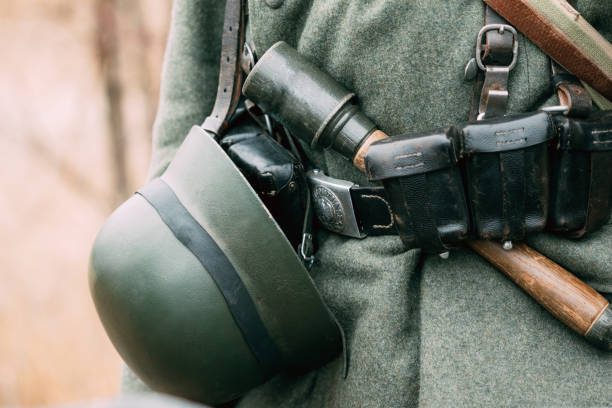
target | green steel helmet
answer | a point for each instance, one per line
(198, 288)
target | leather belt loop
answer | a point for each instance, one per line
(373, 211)
(230, 72)
(570, 91)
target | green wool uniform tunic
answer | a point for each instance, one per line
(420, 331)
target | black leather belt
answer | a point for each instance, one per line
(349, 209)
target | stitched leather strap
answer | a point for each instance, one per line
(513, 188)
(373, 211)
(230, 73)
(415, 190)
(539, 28)
(197, 240)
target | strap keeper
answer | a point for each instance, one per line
(571, 92)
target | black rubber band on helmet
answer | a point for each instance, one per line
(195, 238)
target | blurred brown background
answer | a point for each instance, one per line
(78, 93)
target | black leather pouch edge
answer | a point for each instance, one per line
(581, 179)
(424, 186)
(278, 178)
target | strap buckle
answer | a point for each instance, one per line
(333, 204)
(501, 29)
(494, 95)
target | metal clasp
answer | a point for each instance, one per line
(247, 59)
(333, 204)
(556, 109)
(501, 29)
(306, 250)
(494, 94)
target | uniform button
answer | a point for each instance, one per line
(274, 3)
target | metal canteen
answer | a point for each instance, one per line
(308, 101)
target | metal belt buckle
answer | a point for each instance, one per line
(333, 204)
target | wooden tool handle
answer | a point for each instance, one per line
(561, 293)
(359, 159)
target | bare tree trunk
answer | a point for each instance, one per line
(108, 57)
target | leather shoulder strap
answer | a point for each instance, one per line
(230, 73)
(559, 30)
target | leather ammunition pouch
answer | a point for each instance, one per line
(581, 182)
(501, 165)
(506, 167)
(423, 183)
(277, 177)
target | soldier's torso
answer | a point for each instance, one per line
(421, 330)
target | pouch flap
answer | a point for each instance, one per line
(507, 133)
(240, 129)
(592, 134)
(266, 164)
(231, 140)
(408, 155)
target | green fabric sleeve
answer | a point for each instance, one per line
(189, 78)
